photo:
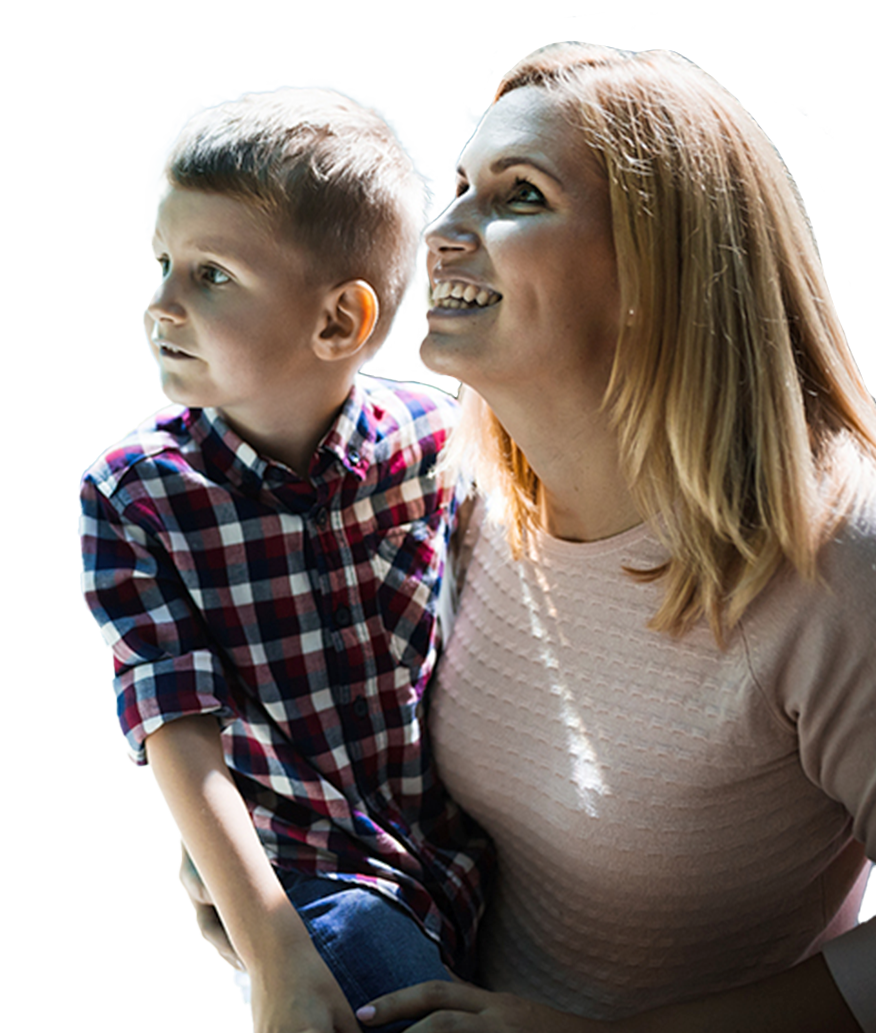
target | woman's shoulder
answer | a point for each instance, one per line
(803, 634)
(847, 559)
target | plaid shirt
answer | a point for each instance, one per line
(302, 613)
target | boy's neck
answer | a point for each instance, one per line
(290, 432)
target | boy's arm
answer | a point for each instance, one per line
(292, 988)
(207, 916)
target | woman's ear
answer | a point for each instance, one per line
(348, 320)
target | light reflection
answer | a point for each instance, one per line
(584, 774)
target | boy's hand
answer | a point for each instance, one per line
(293, 990)
(299, 994)
(208, 918)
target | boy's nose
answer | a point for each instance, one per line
(165, 306)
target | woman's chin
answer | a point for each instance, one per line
(443, 354)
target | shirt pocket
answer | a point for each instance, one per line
(408, 564)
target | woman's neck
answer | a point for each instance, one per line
(573, 450)
(565, 516)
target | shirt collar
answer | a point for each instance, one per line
(350, 439)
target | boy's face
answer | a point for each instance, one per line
(233, 316)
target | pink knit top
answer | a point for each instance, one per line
(670, 819)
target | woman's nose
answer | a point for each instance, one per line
(453, 230)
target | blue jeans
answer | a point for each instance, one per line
(371, 945)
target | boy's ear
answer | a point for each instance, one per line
(348, 320)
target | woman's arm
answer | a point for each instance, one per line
(292, 988)
(804, 999)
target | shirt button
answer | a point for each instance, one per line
(274, 476)
(360, 707)
(354, 457)
(321, 517)
(343, 617)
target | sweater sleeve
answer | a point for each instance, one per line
(813, 652)
(851, 959)
(830, 692)
(812, 648)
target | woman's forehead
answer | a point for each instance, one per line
(531, 124)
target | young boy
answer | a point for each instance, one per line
(264, 560)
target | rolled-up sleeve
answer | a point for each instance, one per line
(166, 665)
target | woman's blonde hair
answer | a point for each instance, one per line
(733, 387)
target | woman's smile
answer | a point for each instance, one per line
(460, 296)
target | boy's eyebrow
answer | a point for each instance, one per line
(217, 247)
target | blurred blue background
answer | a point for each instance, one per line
(139, 75)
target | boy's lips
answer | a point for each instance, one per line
(167, 350)
(450, 295)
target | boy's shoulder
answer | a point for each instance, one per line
(165, 433)
(408, 415)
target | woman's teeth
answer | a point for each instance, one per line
(453, 294)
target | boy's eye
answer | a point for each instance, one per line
(214, 276)
(164, 262)
(526, 193)
(461, 187)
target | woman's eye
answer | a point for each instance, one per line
(164, 263)
(525, 192)
(214, 276)
(461, 187)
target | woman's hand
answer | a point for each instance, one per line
(462, 1008)
(803, 999)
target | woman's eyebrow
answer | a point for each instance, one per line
(501, 164)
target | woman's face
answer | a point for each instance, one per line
(528, 245)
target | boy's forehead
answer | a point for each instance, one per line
(219, 223)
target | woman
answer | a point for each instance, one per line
(660, 692)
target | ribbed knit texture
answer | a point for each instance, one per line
(660, 807)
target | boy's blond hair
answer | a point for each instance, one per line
(733, 388)
(328, 171)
